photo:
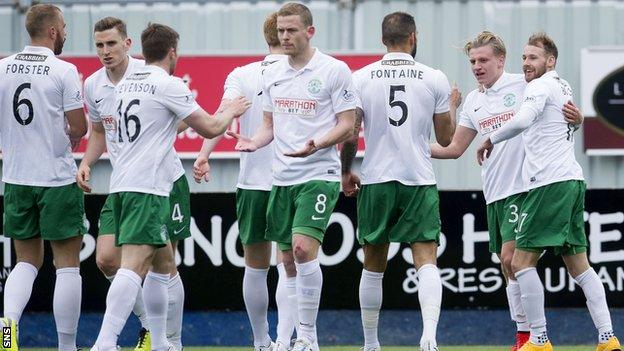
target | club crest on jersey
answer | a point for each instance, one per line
(509, 100)
(315, 86)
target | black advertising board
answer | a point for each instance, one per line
(211, 261)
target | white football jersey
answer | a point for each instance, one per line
(304, 104)
(487, 112)
(399, 97)
(99, 94)
(549, 141)
(255, 167)
(36, 89)
(150, 104)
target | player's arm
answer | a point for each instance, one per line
(462, 138)
(339, 133)
(77, 124)
(182, 127)
(350, 181)
(262, 137)
(443, 123)
(211, 126)
(201, 167)
(444, 128)
(95, 148)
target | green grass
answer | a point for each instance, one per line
(357, 348)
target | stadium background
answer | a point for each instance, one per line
(217, 36)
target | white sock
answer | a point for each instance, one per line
(285, 307)
(515, 306)
(309, 285)
(139, 308)
(17, 290)
(156, 299)
(430, 299)
(533, 301)
(66, 306)
(596, 303)
(256, 297)
(175, 311)
(119, 302)
(371, 294)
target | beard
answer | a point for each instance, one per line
(58, 45)
(414, 49)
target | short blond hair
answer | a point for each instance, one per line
(295, 9)
(41, 17)
(542, 40)
(487, 38)
(270, 30)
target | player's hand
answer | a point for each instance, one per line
(82, 178)
(201, 169)
(75, 143)
(237, 106)
(309, 149)
(456, 97)
(572, 114)
(244, 143)
(484, 151)
(351, 184)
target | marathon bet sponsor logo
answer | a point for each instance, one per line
(608, 100)
(297, 107)
(509, 100)
(315, 86)
(492, 123)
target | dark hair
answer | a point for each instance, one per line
(543, 41)
(157, 40)
(107, 23)
(293, 8)
(41, 17)
(396, 28)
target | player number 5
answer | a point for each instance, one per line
(397, 103)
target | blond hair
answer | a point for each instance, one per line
(41, 17)
(487, 38)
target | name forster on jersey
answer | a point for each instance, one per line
(28, 69)
(298, 107)
(490, 124)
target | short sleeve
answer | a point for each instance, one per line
(94, 114)
(443, 91)
(464, 120)
(343, 95)
(72, 90)
(357, 86)
(535, 97)
(233, 86)
(179, 99)
(267, 102)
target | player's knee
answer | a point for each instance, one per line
(107, 264)
(301, 252)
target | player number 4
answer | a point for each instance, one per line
(177, 213)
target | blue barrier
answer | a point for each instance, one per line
(338, 327)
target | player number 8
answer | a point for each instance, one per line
(320, 205)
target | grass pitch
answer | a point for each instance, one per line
(357, 348)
